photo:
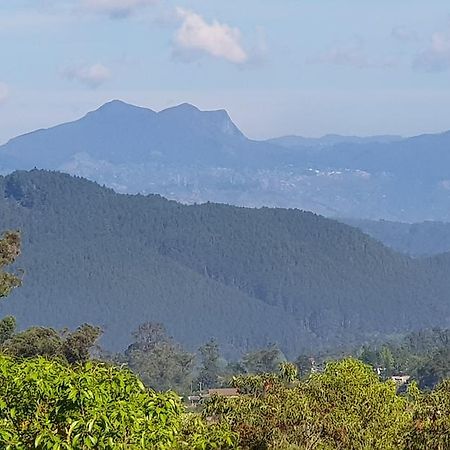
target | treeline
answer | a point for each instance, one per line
(346, 406)
(423, 355)
(164, 364)
(49, 403)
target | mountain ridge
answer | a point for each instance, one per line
(248, 277)
(194, 156)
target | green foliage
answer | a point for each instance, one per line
(431, 420)
(160, 362)
(210, 365)
(248, 277)
(198, 434)
(288, 372)
(7, 328)
(76, 345)
(345, 407)
(356, 410)
(47, 405)
(424, 355)
(264, 360)
(36, 341)
(9, 251)
(71, 346)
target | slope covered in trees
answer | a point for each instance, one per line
(247, 277)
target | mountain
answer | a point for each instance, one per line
(123, 133)
(415, 239)
(329, 140)
(194, 156)
(247, 277)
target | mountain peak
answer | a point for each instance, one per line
(212, 119)
(183, 108)
(117, 107)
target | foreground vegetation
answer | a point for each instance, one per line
(54, 395)
(46, 404)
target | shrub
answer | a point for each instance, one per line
(48, 405)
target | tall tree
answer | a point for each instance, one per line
(266, 360)
(210, 368)
(7, 328)
(160, 361)
(9, 251)
(77, 344)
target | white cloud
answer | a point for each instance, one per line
(4, 92)
(196, 36)
(115, 8)
(437, 56)
(92, 76)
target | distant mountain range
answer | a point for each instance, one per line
(415, 239)
(330, 140)
(248, 277)
(195, 156)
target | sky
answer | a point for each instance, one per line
(305, 67)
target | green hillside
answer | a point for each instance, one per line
(247, 277)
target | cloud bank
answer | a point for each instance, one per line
(195, 37)
(91, 76)
(115, 8)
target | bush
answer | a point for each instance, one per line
(345, 407)
(49, 405)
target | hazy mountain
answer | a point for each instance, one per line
(329, 140)
(125, 134)
(416, 239)
(195, 156)
(248, 277)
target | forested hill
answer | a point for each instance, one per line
(247, 277)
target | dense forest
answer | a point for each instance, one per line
(246, 277)
(58, 390)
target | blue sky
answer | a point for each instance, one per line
(278, 66)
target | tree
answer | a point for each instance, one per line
(387, 360)
(434, 369)
(45, 404)
(431, 420)
(345, 407)
(210, 368)
(266, 360)
(159, 360)
(305, 365)
(288, 372)
(36, 341)
(147, 336)
(77, 345)
(9, 251)
(7, 328)
(70, 346)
